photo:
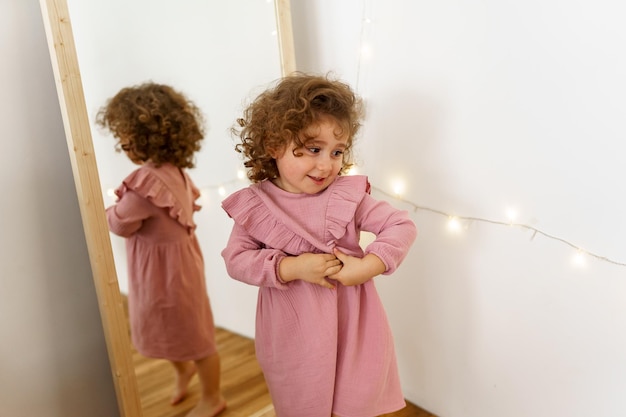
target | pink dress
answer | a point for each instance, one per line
(169, 309)
(322, 351)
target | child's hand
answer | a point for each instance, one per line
(310, 267)
(355, 270)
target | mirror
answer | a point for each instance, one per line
(217, 53)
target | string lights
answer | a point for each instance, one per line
(455, 221)
(454, 224)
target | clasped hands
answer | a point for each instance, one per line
(316, 268)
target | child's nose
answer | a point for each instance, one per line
(324, 163)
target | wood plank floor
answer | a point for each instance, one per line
(242, 384)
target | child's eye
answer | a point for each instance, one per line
(337, 153)
(314, 150)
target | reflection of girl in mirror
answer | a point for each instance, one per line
(170, 315)
(322, 336)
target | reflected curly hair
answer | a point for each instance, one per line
(154, 122)
(279, 116)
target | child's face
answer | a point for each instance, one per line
(314, 167)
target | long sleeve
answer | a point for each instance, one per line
(395, 231)
(248, 261)
(150, 187)
(127, 216)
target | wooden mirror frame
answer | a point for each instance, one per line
(79, 141)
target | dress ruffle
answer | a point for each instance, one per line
(248, 209)
(149, 185)
(346, 195)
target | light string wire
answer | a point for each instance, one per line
(362, 42)
(362, 57)
(417, 207)
(536, 231)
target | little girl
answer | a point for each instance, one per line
(170, 315)
(322, 336)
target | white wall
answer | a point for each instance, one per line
(217, 53)
(475, 108)
(480, 107)
(53, 359)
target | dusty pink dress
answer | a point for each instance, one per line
(170, 314)
(321, 350)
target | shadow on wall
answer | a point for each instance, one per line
(428, 299)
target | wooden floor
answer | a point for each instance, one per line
(242, 383)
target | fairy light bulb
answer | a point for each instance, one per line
(454, 225)
(111, 192)
(241, 174)
(221, 191)
(579, 259)
(398, 187)
(511, 214)
(353, 170)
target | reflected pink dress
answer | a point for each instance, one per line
(322, 351)
(169, 309)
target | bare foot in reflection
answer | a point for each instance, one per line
(184, 372)
(207, 408)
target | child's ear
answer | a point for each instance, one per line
(275, 153)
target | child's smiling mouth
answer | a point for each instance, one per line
(317, 180)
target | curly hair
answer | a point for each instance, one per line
(279, 116)
(154, 122)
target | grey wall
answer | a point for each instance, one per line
(53, 359)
